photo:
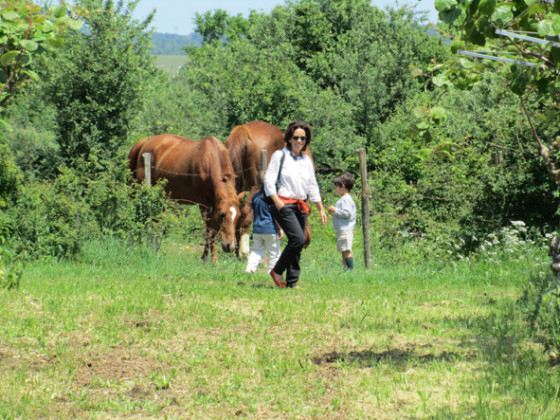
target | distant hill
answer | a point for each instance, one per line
(172, 44)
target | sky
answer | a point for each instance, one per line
(176, 16)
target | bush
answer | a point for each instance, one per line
(89, 202)
(10, 274)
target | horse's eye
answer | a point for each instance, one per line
(222, 216)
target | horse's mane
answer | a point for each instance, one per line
(219, 165)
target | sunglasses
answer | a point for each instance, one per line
(302, 138)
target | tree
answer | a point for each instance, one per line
(97, 83)
(26, 30)
(500, 29)
(345, 54)
(359, 51)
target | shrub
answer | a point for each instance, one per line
(89, 202)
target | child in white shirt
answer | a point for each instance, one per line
(344, 218)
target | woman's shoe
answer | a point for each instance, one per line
(278, 280)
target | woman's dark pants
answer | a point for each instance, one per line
(292, 221)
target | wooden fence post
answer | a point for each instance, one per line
(365, 207)
(147, 168)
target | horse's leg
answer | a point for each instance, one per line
(245, 220)
(209, 236)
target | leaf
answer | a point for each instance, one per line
(59, 12)
(545, 28)
(25, 59)
(47, 27)
(75, 25)
(443, 5)
(454, 16)
(557, 6)
(10, 15)
(487, 7)
(7, 58)
(416, 72)
(438, 114)
(477, 38)
(466, 63)
(420, 112)
(31, 74)
(555, 25)
(29, 45)
(502, 15)
(440, 80)
(424, 154)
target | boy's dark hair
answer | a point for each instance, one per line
(346, 180)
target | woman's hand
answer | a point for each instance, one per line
(323, 216)
(279, 204)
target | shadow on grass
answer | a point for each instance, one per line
(397, 356)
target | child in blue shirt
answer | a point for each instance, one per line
(266, 235)
(344, 218)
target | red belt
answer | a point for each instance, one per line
(301, 205)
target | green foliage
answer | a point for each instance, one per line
(10, 271)
(97, 83)
(26, 30)
(342, 66)
(10, 177)
(476, 25)
(32, 137)
(460, 178)
(81, 204)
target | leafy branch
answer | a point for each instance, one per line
(27, 29)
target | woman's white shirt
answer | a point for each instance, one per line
(297, 178)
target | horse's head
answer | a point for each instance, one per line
(224, 218)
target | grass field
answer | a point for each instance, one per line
(171, 63)
(128, 333)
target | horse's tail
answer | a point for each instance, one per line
(238, 144)
(133, 157)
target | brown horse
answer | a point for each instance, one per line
(245, 143)
(197, 172)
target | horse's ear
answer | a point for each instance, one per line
(242, 195)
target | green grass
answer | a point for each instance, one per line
(127, 333)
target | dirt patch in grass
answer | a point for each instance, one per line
(115, 364)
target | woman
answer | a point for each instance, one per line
(296, 183)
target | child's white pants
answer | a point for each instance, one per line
(263, 242)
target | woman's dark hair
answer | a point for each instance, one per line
(346, 180)
(290, 132)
